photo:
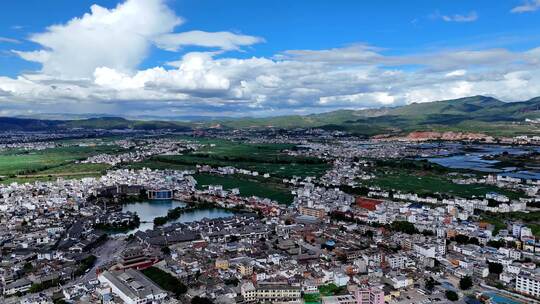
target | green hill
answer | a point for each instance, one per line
(470, 114)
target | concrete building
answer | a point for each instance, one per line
(270, 292)
(369, 296)
(528, 284)
(132, 286)
(310, 211)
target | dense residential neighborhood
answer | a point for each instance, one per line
(344, 238)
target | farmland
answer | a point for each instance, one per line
(247, 186)
(264, 158)
(47, 163)
(426, 184)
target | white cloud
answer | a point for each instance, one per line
(366, 99)
(117, 38)
(456, 73)
(358, 53)
(91, 64)
(470, 17)
(221, 40)
(527, 6)
(202, 83)
(8, 40)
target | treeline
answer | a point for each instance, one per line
(284, 160)
(175, 213)
(409, 164)
(84, 265)
(134, 223)
(166, 281)
(38, 287)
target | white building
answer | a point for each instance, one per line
(528, 284)
(132, 286)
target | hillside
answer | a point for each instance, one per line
(470, 114)
(475, 114)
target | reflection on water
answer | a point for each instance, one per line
(472, 157)
(148, 210)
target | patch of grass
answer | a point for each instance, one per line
(331, 290)
(428, 184)
(312, 298)
(530, 219)
(67, 171)
(264, 158)
(32, 162)
(247, 186)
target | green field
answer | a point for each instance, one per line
(427, 184)
(530, 219)
(331, 290)
(18, 165)
(248, 186)
(264, 158)
(312, 298)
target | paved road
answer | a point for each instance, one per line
(104, 253)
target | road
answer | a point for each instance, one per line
(104, 253)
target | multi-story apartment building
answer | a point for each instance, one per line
(270, 292)
(369, 296)
(529, 284)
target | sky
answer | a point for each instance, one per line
(173, 58)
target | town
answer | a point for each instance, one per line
(173, 219)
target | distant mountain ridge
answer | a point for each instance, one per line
(475, 113)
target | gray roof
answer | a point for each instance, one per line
(132, 283)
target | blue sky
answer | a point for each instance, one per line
(175, 57)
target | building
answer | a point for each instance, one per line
(396, 261)
(367, 203)
(132, 286)
(135, 258)
(345, 299)
(369, 296)
(19, 286)
(270, 292)
(528, 284)
(161, 194)
(221, 264)
(245, 269)
(310, 211)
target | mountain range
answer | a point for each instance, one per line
(470, 114)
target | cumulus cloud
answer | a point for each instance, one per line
(118, 38)
(91, 64)
(527, 6)
(201, 83)
(222, 40)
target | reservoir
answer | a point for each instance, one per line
(148, 210)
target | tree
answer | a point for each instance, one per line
(495, 268)
(461, 239)
(451, 295)
(404, 226)
(430, 283)
(496, 244)
(465, 283)
(166, 250)
(474, 241)
(201, 300)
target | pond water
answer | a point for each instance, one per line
(148, 210)
(472, 157)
